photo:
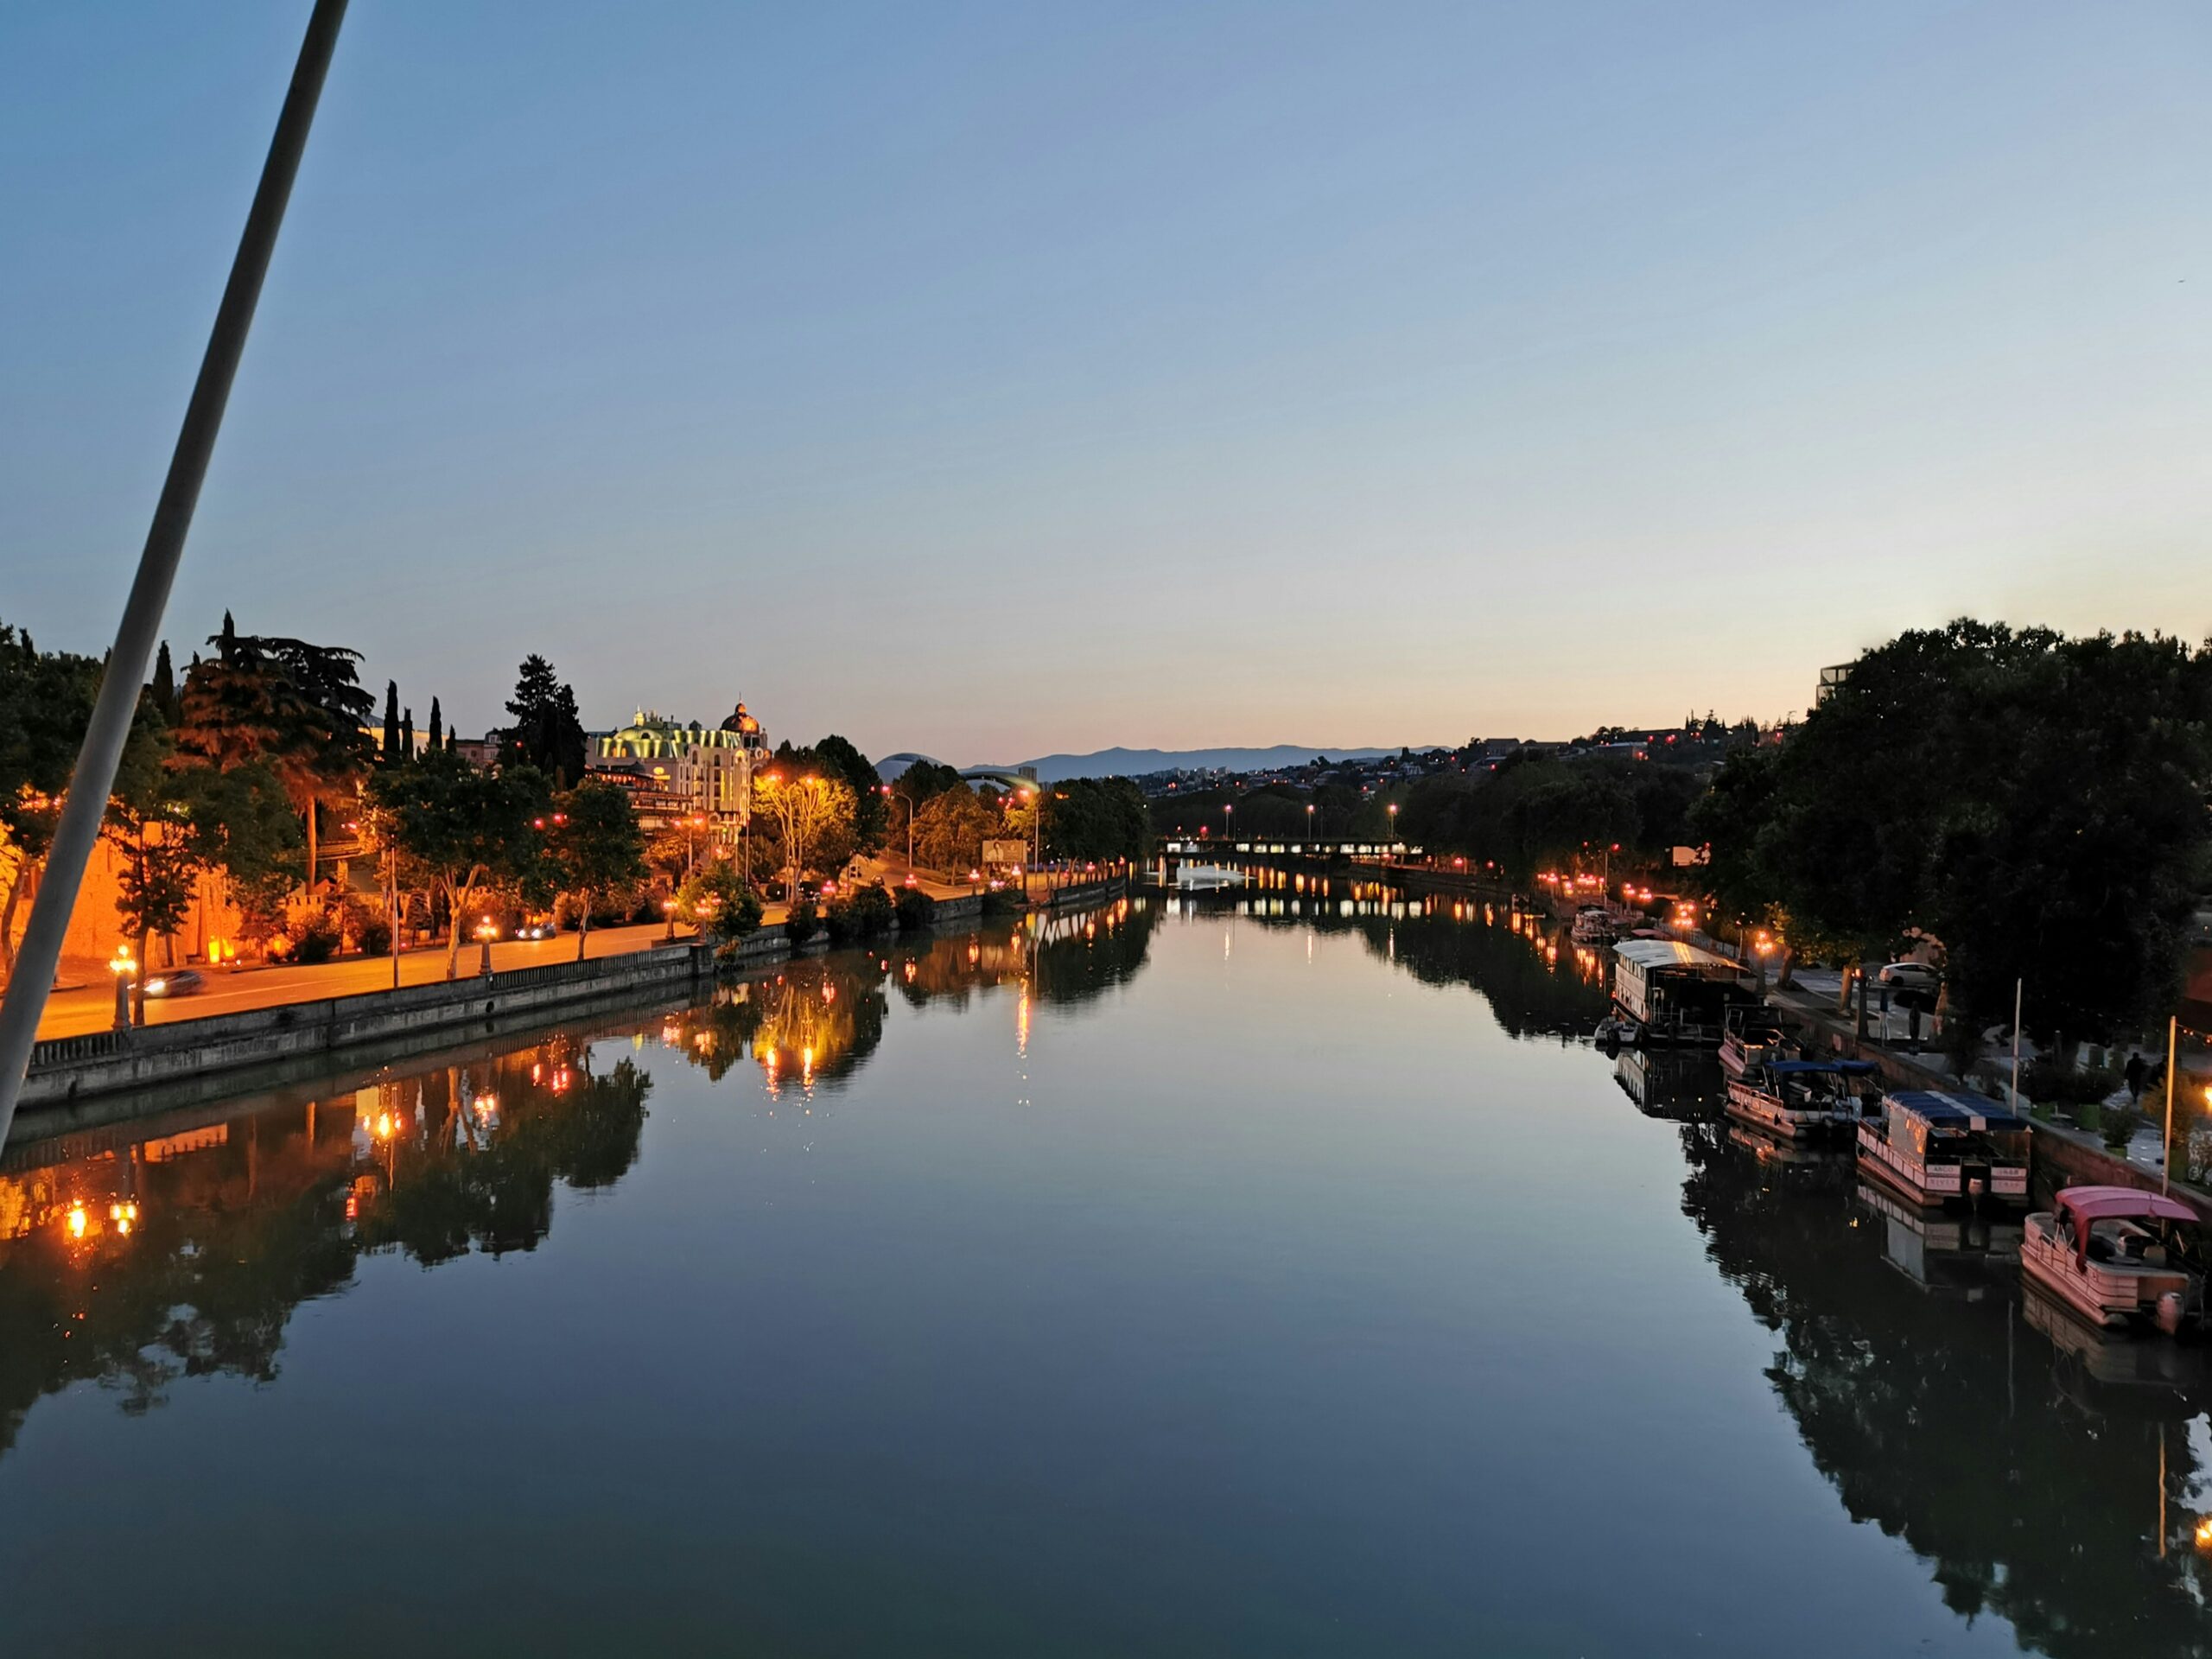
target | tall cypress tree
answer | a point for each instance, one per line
(437, 726)
(407, 732)
(390, 721)
(164, 688)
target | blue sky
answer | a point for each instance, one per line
(994, 379)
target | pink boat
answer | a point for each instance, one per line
(2120, 1256)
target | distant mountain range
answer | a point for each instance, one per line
(1134, 763)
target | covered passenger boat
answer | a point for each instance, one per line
(1803, 1099)
(2119, 1256)
(1674, 992)
(1753, 1034)
(1938, 1147)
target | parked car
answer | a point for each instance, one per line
(177, 982)
(1910, 976)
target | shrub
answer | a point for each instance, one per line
(2053, 1082)
(738, 915)
(803, 922)
(2119, 1125)
(915, 909)
(1002, 902)
(318, 941)
(375, 935)
(863, 913)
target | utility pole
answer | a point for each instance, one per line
(140, 629)
(2166, 1152)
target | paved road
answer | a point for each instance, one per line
(70, 1013)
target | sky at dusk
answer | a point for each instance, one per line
(992, 379)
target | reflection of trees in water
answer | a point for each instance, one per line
(1065, 959)
(1536, 983)
(815, 1021)
(2032, 1489)
(185, 1255)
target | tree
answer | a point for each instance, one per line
(719, 901)
(870, 816)
(592, 847)
(241, 824)
(950, 829)
(924, 779)
(45, 703)
(164, 689)
(548, 733)
(407, 732)
(2034, 803)
(811, 816)
(391, 755)
(1097, 820)
(460, 828)
(151, 827)
(437, 726)
(295, 705)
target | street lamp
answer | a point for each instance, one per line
(124, 970)
(1392, 809)
(1309, 823)
(668, 906)
(486, 930)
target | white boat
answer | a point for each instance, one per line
(1937, 1146)
(1206, 878)
(2119, 1256)
(1801, 1099)
(1751, 1037)
(1594, 925)
(1675, 992)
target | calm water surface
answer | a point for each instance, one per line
(1190, 1283)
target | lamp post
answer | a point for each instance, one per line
(1309, 823)
(1392, 809)
(668, 906)
(124, 970)
(486, 930)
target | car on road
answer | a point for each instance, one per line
(1910, 976)
(534, 931)
(177, 982)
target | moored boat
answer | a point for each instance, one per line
(1595, 924)
(1801, 1099)
(1940, 1146)
(1751, 1036)
(2119, 1256)
(1675, 992)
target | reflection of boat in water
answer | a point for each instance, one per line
(1802, 1154)
(2119, 1256)
(1672, 1085)
(2115, 1358)
(1937, 1148)
(1951, 1254)
(1801, 1099)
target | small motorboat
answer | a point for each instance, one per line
(1752, 1036)
(2120, 1256)
(1802, 1099)
(1594, 925)
(1935, 1147)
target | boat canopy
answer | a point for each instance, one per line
(1950, 1110)
(1648, 954)
(2088, 1204)
(1793, 1068)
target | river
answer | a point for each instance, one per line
(1198, 1280)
